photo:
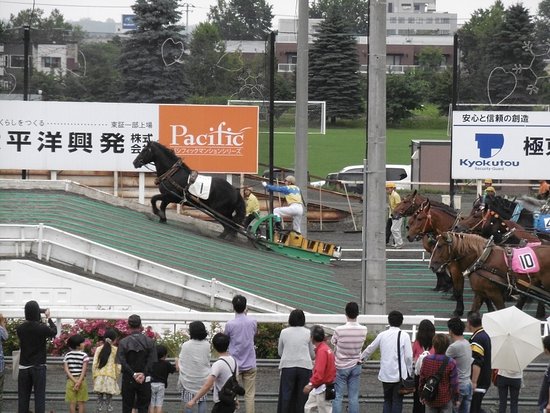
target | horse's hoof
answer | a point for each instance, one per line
(162, 220)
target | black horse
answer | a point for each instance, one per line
(511, 210)
(521, 213)
(224, 202)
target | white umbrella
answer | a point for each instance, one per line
(515, 338)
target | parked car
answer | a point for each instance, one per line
(352, 178)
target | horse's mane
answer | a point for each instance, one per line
(439, 205)
(463, 244)
(443, 208)
(169, 153)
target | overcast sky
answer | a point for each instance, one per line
(104, 9)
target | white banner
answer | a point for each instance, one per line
(74, 135)
(501, 145)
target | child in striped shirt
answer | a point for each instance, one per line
(76, 364)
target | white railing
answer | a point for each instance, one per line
(423, 255)
(50, 244)
(181, 320)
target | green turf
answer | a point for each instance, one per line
(342, 146)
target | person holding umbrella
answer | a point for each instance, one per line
(515, 341)
(508, 381)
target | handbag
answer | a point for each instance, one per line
(494, 375)
(407, 385)
(330, 391)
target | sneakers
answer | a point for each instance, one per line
(398, 247)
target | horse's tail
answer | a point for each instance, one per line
(240, 209)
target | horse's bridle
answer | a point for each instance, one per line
(426, 223)
(481, 222)
(411, 208)
(449, 242)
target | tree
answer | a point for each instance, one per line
(404, 93)
(98, 79)
(475, 38)
(430, 59)
(212, 71)
(152, 56)
(334, 69)
(356, 12)
(242, 19)
(52, 28)
(513, 49)
(542, 22)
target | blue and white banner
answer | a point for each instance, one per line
(501, 145)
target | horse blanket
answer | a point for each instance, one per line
(201, 187)
(522, 260)
(542, 222)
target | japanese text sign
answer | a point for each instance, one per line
(501, 145)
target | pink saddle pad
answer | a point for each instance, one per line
(524, 261)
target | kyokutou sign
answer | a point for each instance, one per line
(108, 136)
(501, 145)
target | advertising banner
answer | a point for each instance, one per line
(501, 145)
(108, 136)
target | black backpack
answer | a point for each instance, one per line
(231, 389)
(429, 391)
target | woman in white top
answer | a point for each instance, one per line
(194, 365)
(508, 380)
(296, 352)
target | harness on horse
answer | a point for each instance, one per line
(167, 176)
(509, 275)
(509, 231)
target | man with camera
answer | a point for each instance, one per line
(33, 334)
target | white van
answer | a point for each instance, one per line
(352, 178)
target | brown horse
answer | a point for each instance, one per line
(428, 220)
(491, 276)
(412, 202)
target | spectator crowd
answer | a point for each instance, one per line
(443, 371)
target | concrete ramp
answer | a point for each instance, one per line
(293, 283)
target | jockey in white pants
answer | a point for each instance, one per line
(293, 197)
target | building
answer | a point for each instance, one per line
(410, 27)
(48, 54)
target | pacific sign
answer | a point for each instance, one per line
(108, 136)
(500, 145)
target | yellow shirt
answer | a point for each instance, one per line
(111, 369)
(252, 204)
(393, 200)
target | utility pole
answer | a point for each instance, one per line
(187, 11)
(373, 294)
(302, 64)
(26, 70)
(272, 38)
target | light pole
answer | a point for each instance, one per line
(187, 11)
